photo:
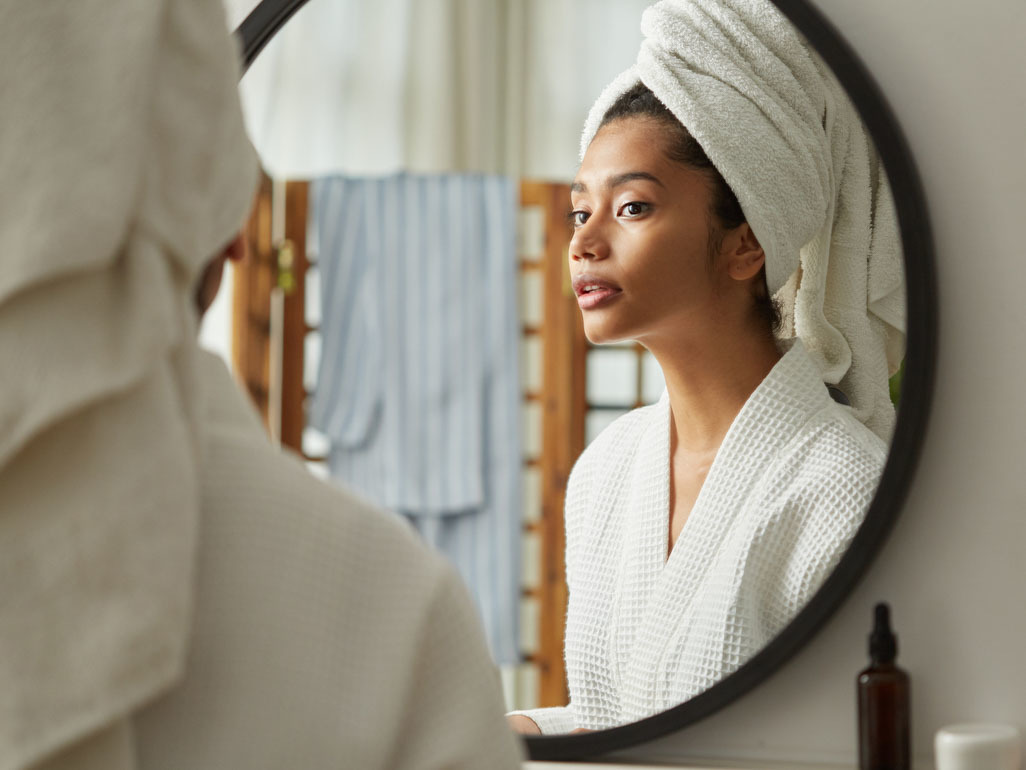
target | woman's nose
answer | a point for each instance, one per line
(588, 242)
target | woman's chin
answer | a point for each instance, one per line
(601, 334)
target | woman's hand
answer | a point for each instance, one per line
(523, 725)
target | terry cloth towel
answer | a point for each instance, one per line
(784, 135)
(417, 386)
(132, 168)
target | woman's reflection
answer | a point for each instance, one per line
(697, 527)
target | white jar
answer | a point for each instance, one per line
(977, 746)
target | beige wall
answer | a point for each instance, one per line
(954, 569)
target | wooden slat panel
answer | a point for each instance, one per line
(562, 432)
(293, 392)
(254, 279)
(562, 396)
(251, 305)
(536, 194)
(610, 406)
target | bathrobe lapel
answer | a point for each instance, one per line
(656, 596)
(645, 538)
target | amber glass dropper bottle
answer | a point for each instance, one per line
(883, 691)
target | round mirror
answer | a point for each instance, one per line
(412, 231)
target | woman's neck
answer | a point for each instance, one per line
(708, 380)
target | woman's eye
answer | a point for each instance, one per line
(578, 217)
(633, 209)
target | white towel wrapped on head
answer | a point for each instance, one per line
(784, 135)
(132, 169)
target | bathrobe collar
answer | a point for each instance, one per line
(787, 398)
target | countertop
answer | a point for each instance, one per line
(706, 765)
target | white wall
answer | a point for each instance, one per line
(954, 569)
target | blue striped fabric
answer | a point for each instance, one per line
(418, 388)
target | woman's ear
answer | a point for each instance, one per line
(745, 257)
(210, 280)
(236, 250)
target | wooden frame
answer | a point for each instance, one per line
(254, 280)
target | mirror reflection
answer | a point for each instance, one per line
(640, 395)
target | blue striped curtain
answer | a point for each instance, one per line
(418, 388)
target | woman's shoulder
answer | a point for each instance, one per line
(834, 457)
(836, 431)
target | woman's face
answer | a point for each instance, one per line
(639, 255)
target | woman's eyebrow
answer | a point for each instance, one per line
(619, 179)
(632, 176)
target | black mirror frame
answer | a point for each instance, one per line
(913, 413)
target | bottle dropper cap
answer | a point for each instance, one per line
(883, 645)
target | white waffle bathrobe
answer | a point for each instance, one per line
(325, 635)
(787, 491)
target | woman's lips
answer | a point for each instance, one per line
(592, 299)
(592, 292)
